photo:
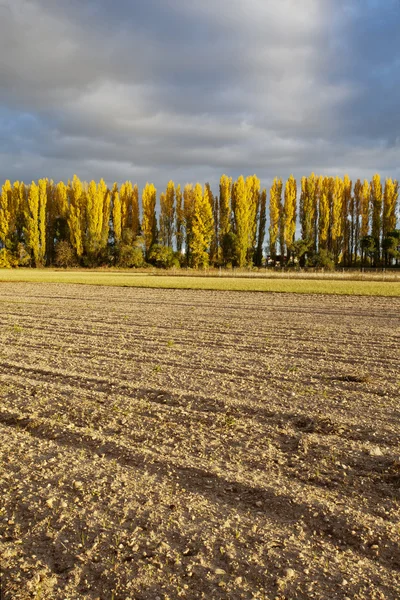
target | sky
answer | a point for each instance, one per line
(187, 90)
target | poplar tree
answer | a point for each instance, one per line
(94, 219)
(51, 221)
(6, 212)
(31, 229)
(225, 214)
(116, 214)
(346, 207)
(261, 228)
(253, 200)
(57, 211)
(302, 209)
(167, 215)
(43, 189)
(202, 227)
(135, 210)
(318, 189)
(365, 208)
(125, 197)
(355, 214)
(161, 227)
(365, 218)
(17, 199)
(18, 206)
(337, 216)
(308, 208)
(390, 198)
(179, 224)
(376, 201)
(76, 215)
(18, 203)
(275, 214)
(324, 214)
(241, 213)
(105, 232)
(188, 212)
(213, 254)
(61, 200)
(289, 211)
(130, 219)
(149, 221)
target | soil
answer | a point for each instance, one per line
(161, 444)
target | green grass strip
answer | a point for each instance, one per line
(288, 285)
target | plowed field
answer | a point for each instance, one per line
(164, 444)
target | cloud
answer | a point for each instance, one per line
(188, 90)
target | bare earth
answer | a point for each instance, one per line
(161, 444)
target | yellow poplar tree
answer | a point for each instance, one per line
(179, 219)
(162, 228)
(390, 198)
(149, 221)
(214, 205)
(135, 211)
(51, 230)
(76, 215)
(167, 215)
(365, 208)
(302, 210)
(337, 216)
(225, 186)
(365, 216)
(261, 228)
(241, 213)
(106, 195)
(318, 187)
(376, 201)
(188, 213)
(202, 227)
(43, 189)
(347, 199)
(57, 216)
(18, 203)
(116, 213)
(253, 201)
(94, 218)
(17, 198)
(129, 198)
(308, 208)
(355, 218)
(61, 200)
(31, 229)
(324, 213)
(275, 215)
(125, 195)
(6, 211)
(289, 211)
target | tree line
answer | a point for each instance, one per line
(325, 222)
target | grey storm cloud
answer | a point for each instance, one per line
(190, 90)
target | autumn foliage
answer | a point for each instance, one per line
(324, 220)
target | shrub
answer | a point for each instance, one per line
(23, 255)
(163, 257)
(7, 259)
(130, 256)
(65, 255)
(323, 260)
